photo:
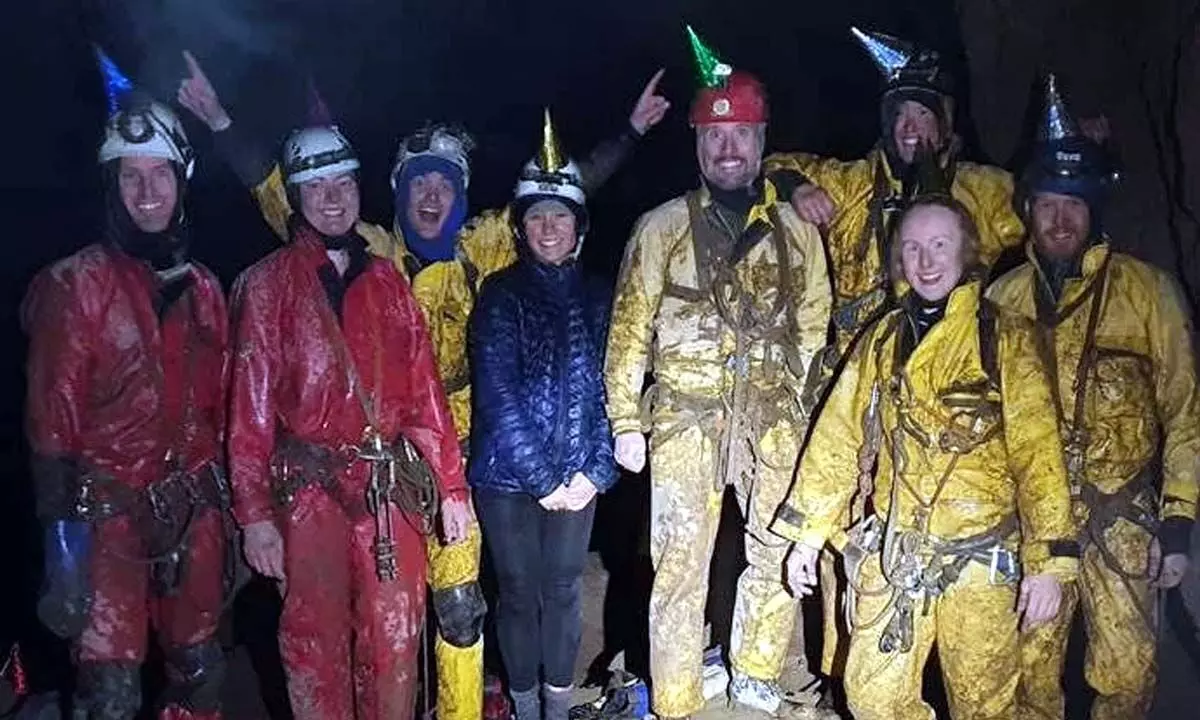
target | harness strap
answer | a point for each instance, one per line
(1075, 447)
(989, 341)
(99, 496)
(458, 381)
(1135, 503)
(909, 577)
(297, 464)
(857, 312)
(171, 505)
(714, 417)
(1104, 510)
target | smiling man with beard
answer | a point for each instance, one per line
(1119, 335)
(724, 292)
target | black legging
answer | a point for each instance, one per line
(538, 557)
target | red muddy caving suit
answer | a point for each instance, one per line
(125, 418)
(349, 642)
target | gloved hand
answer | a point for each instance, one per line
(802, 569)
(65, 599)
(456, 520)
(630, 451)
(1174, 567)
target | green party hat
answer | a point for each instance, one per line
(712, 71)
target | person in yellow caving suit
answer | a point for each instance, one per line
(1117, 332)
(855, 202)
(445, 258)
(725, 293)
(969, 522)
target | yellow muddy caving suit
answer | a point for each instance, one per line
(970, 470)
(1119, 337)
(729, 318)
(446, 293)
(867, 196)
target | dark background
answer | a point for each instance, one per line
(384, 68)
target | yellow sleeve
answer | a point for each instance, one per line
(1014, 291)
(271, 197)
(1000, 228)
(830, 174)
(815, 306)
(488, 243)
(1034, 445)
(446, 300)
(1178, 399)
(804, 163)
(827, 476)
(639, 291)
(384, 244)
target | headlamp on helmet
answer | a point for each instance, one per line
(550, 175)
(317, 152)
(138, 126)
(450, 143)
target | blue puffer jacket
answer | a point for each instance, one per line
(537, 339)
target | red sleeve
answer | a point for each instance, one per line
(58, 364)
(216, 326)
(226, 370)
(255, 368)
(426, 419)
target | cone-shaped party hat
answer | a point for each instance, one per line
(712, 71)
(1056, 123)
(116, 83)
(550, 156)
(318, 111)
(890, 54)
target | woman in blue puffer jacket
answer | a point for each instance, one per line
(541, 448)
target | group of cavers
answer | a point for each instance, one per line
(955, 460)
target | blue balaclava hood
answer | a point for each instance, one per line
(442, 247)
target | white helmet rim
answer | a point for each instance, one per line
(149, 131)
(317, 152)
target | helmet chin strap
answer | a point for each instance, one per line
(174, 272)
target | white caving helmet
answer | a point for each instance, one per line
(315, 152)
(138, 126)
(450, 143)
(550, 175)
(141, 127)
